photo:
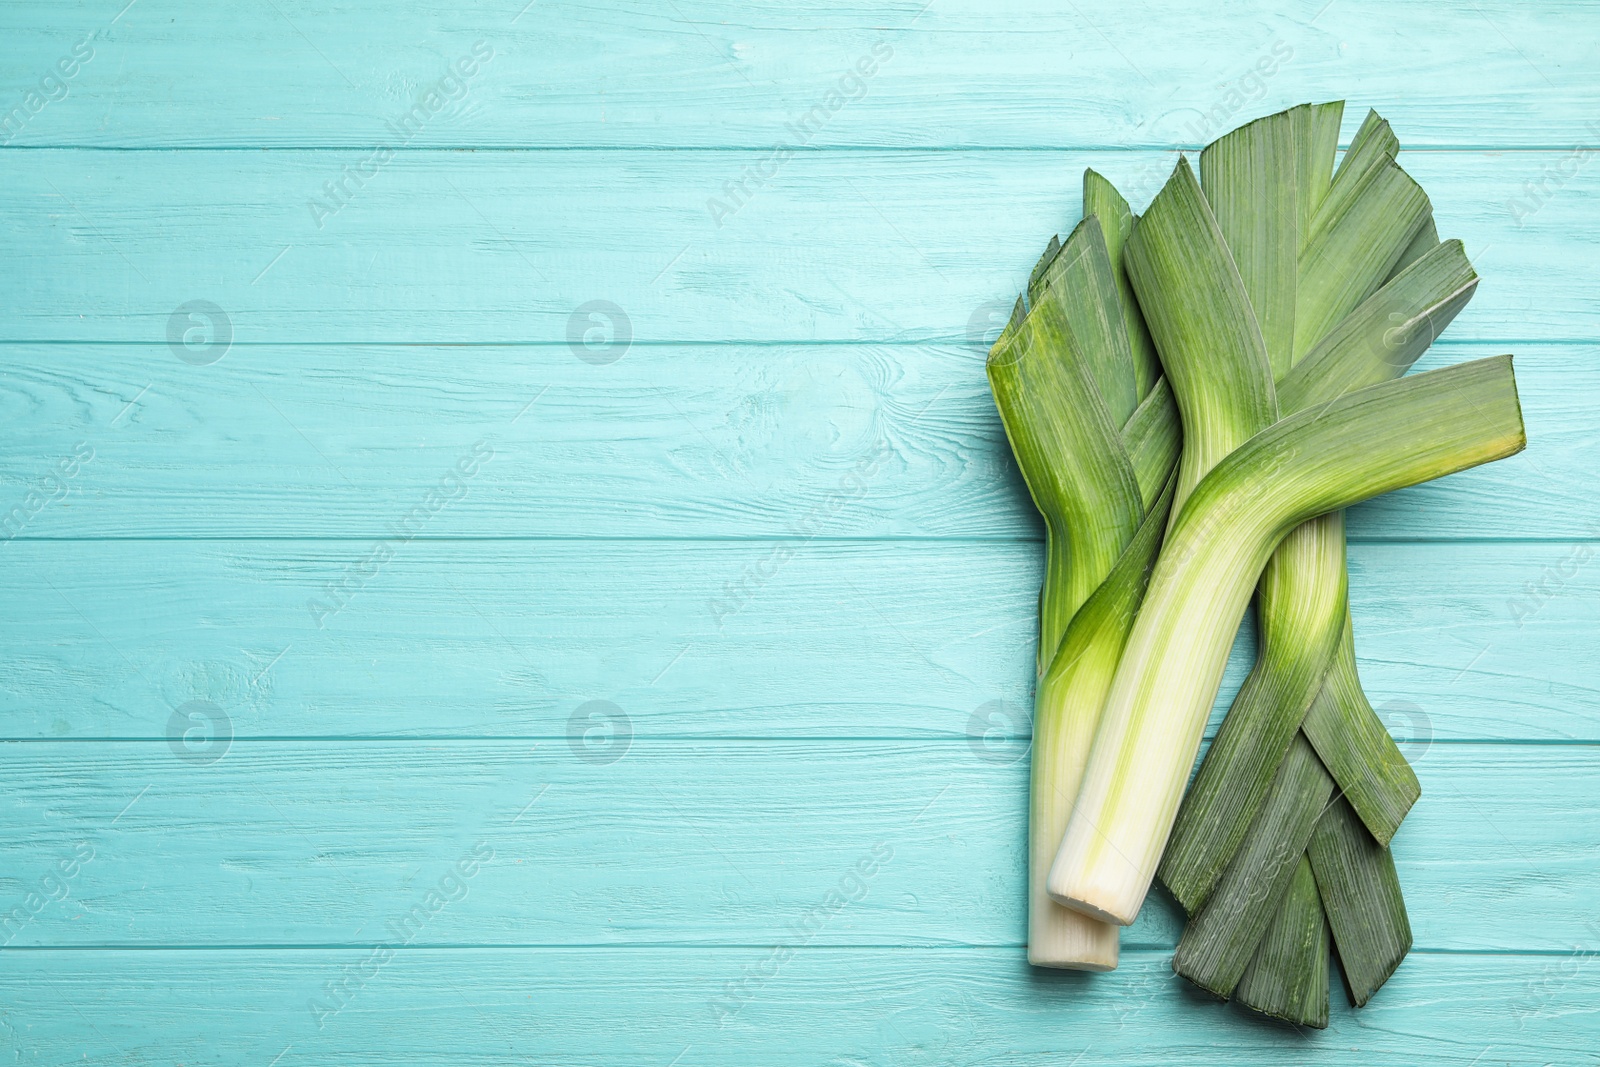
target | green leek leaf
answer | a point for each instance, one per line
(1219, 943)
(1361, 892)
(1372, 774)
(1288, 979)
(1081, 280)
(1200, 316)
(1101, 199)
(1072, 459)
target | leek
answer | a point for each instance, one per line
(1370, 441)
(1304, 664)
(1096, 436)
(1306, 676)
(1264, 180)
(1193, 398)
(1427, 283)
(1070, 697)
(1067, 446)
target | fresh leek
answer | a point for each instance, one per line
(1306, 676)
(1258, 177)
(1193, 397)
(1096, 436)
(1370, 441)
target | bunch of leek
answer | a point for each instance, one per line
(1284, 300)
(1095, 432)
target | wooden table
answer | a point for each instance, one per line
(512, 558)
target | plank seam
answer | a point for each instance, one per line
(816, 149)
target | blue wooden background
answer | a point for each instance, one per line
(502, 566)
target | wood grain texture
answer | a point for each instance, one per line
(509, 639)
(799, 370)
(969, 73)
(458, 246)
(708, 441)
(646, 841)
(644, 1006)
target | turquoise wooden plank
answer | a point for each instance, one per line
(517, 246)
(842, 640)
(720, 73)
(644, 1007)
(297, 843)
(672, 441)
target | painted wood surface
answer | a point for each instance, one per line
(714, 73)
(369, 586)
(626, 840)
(496, 246)
(941, 1006)
(673, 441)
(702, 638)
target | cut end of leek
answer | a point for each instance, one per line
(1061, 938)
(1097, 893)
(1361, 892)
